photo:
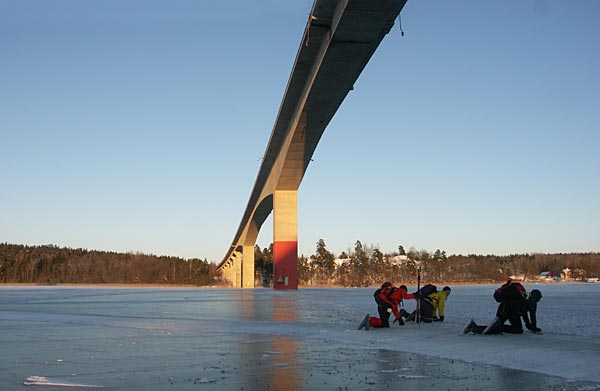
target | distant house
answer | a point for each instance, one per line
(545, 276)
(573, 274)
(341, 261)
(579, 274)
(398, 260)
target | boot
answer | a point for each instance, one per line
(404, 313)
(469, 327)
(366, 323)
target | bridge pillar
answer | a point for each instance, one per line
(285, 239)
(227, 272)
(237, 270)
(248, 267)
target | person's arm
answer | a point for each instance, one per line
(394, 300)
(441, 305)
(384, 298)
(407, 296)
(530, 318)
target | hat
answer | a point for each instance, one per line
(386, 284)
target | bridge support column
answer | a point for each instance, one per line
(227, 273)
(237, 270)
(248, 267)
(285, 239)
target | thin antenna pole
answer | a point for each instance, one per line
(418, 316)
(400, 24)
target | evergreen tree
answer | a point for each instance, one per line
(324, 260)
(362, 264)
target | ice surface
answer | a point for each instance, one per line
(149, 338)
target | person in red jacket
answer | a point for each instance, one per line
(388, 299)
(397, 297)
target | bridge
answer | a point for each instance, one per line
(339, 39)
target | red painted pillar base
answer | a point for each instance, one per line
(285, 265)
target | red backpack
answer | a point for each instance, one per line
(378, 298)
(509, 291)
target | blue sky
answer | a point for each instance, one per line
(136, 126)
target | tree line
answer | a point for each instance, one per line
(366, 265)
(50, 264)
(363, 265)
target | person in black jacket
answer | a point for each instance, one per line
(524, 306)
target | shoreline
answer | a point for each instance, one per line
(117, 285)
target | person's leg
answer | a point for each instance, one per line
(477, 329)
(426, 311)
(384, 314)
(404, 313)
(412, 316)
(515, 327)
(472, 327)
(495, 327)
(375, 322)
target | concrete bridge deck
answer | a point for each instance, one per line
(339, 39)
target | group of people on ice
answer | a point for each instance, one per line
(390, 300)
(515, 303)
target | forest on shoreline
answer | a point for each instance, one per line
(49, 264)
(363, 266)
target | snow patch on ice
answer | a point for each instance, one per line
(204, 380)
(411, 376)
(54, 382)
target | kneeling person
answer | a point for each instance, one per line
(513, 310)
(434, 304)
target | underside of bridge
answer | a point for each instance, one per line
(339, 39)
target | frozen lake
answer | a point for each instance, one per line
(224, 339)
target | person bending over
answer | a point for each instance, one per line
(522, 307)
(433, 305)
(388, 300)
